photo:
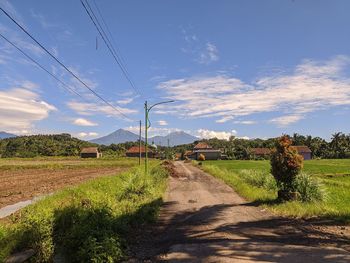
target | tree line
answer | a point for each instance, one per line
(42, 145)
(234, 148)
(241, 149)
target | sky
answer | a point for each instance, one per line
(252, 69)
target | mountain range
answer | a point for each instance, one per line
(4, 135)
(121, 136)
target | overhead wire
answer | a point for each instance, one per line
(109, 44)
(65, 85)
(64, 66)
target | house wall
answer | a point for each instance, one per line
(150, 155)
(89, 155)
(307, 156)
(209, 155)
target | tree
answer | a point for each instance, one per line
(286, 164)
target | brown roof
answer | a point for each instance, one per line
(261, 151)
(89, 150)
(187, 153)
(136, 149)
(302, 149)
(202, 145)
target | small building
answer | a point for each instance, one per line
(134, 151)
(90, 152)
(262, 153)
(205, 149)
(265, 152)
(202, 146)
(209, 154)
(304, 151)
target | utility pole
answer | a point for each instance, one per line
(146, 128)
(140, 154)
(147, 125)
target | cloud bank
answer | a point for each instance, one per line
(311, 86)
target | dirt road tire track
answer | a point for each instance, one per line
(204, 220)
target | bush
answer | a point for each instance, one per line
(201, 157)
(259, 179)
(309, 188)
(286, 164)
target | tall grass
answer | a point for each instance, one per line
(322, 195)
(88, 223)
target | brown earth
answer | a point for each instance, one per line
(204, 220)
(24, 184)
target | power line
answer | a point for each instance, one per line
(109, 32)
(66, 86)
(108, 43)
(64, 66)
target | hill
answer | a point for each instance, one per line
(175, 138)
(122, 136)
(119, 136)
(41, 145)
(4, 135)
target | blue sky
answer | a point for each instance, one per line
(243, 68)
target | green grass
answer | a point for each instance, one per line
(333, 175)
(92, 222)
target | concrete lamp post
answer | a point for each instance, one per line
(148, 125)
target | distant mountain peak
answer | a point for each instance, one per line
(4, 135)
(121, 136)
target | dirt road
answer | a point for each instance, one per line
(204, 220)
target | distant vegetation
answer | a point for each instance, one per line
(234, 148)
(240, 149)
(41, 145)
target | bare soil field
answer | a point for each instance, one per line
(24, 184)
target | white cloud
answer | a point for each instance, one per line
(207, 134)
(20, 108)
(84, 122)
(312, 86)
(286, 120)
(125, 101)
(87, 134)
(85, 108)
(209, 55)
(162, 123)
(245, 122)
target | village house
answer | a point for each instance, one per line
(265, 152)
(304, 151)
(134, 151)
(90, 152)
(204, 149)
(260, 153)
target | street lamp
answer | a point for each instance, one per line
(147, 125)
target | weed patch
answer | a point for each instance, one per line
(88, 223)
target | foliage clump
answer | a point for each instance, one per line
(309, 188)
(286, 164)
(201, 157)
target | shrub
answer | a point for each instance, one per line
(201, 157)
(286, 164)
(259, 179)
(309, 188)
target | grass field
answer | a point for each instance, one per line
(91, 222)
(22, 179)
(334, 176)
